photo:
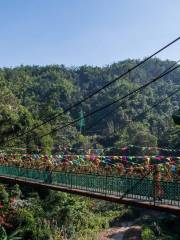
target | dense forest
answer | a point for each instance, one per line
(32, 94)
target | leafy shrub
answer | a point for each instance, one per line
(4, 196)
(147, 234)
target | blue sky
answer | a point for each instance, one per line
(93, 32)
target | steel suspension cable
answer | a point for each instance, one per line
(95, 92)
(112, 103)
(136, 184)
(157, 103)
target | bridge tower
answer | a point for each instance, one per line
(81, 122)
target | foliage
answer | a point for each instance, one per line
(148, 234)
(3, 194)
(32, 94)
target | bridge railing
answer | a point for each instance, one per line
(120, 186)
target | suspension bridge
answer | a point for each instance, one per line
(146, 190)
(140, 190)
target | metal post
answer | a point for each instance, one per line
(106, 185)
(154, 188)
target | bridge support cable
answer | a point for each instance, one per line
(156, 104)
(96, 92)
(112, 103)
(132, 97)
(136, 184)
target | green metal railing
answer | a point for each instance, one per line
(129, 187)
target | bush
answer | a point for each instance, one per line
(147, 234)
(4, 196)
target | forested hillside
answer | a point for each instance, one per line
(41, 92)
(33, 94)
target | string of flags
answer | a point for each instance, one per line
(110, 158)
(102, 150)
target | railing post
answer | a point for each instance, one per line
(106, 184)
(154, 188)
(71, 179)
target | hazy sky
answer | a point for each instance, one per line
(77, 32)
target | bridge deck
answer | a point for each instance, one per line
(107, 197)
(134, 191)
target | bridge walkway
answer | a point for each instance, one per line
(127, 190)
